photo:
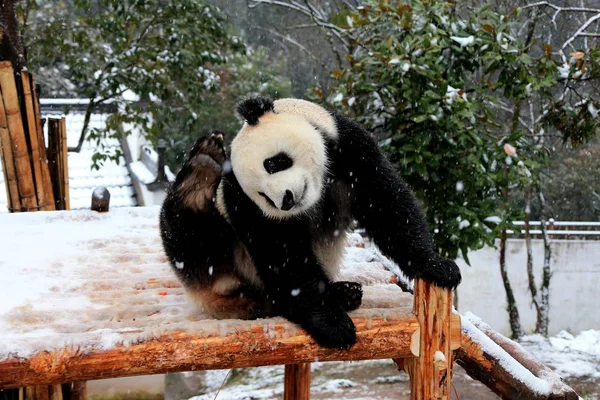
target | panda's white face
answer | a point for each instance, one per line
(280, 163)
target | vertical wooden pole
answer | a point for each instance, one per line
(8, 163)
(430, 372)
(297, 382)
(64, 163)
(57, 161)
(49, 193)
(31, 133)
(18, 142)
(79, 391)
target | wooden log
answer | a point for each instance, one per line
(377, 338)
(297, 382)
(49, 193)
(506, 368)
(8, 163)
(17, 138)
(31, 132)
(430, 372)
(100, 199)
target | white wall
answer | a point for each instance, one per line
(574, 288)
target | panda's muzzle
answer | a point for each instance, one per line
(288, 201)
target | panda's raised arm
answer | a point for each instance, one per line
(386, 207)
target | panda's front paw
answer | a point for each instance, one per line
(441, 272)
(348, 294)
(210, 148)
(332, 328)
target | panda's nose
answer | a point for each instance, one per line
(288, 201)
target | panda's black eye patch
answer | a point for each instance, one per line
(278, 163)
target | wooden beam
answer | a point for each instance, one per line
(378, 338)
(431, 370)
(297, 382)
(480, 356)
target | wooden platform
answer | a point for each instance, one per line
(96, 299)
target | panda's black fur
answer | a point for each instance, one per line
(360, 184)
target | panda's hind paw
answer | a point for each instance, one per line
(348, 294)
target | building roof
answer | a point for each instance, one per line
(82, 178)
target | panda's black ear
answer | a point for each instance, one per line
(253, 108)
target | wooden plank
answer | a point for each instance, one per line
(8, 163)
(64, 163)
(378, 338)
(296, 384)
(17, 137)
(430, 372)
(31, 132)
(49, 193)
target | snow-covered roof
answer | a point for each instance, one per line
(82, 179)
(96, 280)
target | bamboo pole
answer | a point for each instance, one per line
(430, 372)
(64, 163)
(49, 193)
(17, 137)
(377, 338)
(8, 164)
(31, 132)
(297, 382)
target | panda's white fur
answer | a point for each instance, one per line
(299, 119)
(302, 142)
(313, 113)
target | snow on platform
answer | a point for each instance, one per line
(82, 179)
(95, 280)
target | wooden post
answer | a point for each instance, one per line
(78, 391)
(100, 199)
(297, 382)
(430, 372)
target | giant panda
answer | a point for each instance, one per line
(259, 230)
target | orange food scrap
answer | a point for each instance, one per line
(152, 281)
(162, 293)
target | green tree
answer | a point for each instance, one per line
(154, 59)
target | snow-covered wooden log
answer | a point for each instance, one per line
(248, 344)
(505, 367)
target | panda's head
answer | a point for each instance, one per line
(279, 157)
